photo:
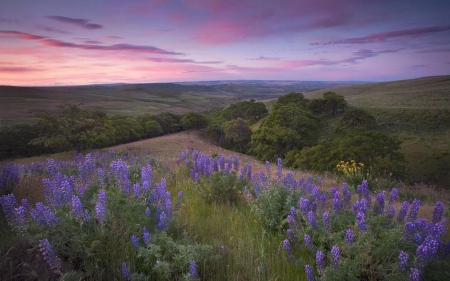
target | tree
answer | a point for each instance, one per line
(238, 133)
(331, 105)
(357, 119)
(286, 128)
(194, 120)
(379, 153)
(69, 128)
(292, 98)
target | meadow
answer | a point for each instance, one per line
(205, 213)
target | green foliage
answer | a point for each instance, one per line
(286, 128)
(379, 153)
(193, 120)
(296, 99)
(331, 105)
(238, 134)
(166, 259)
(70, 128)
(150, 127)
(271, 207)
(357, 119)
(221, 188)
(251, 111)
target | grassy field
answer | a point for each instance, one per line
(20, 104)
(427, 92)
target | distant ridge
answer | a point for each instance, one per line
(424, 92)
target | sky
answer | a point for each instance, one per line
(60, 42)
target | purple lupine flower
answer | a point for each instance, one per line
(408, 230)
(426, 252)
(9, 203)
(102, 198)
(415, 207)
(414, 274)
(320, 261)
(100, 212)
(135, 241)
(86, 216)
(223, 250)
(393, 196)
(347, 196)
(148, 212)
(438, 211)
(137, 190)
(25, 204)
(50, 256)
(361, 221)
(349, 237)
(403, 211)
(193, 270)
(196, 178)
(303, 206)
(290, 234)
(335, 253)
(287, 247)
(125, 271)
(279, 169)
(437, 230)
(403, 263)
(336, 204)
(77, 207)
(20, 217)
(163, 221)
(236, 163)
(326, 222)
(309, 273)
(267, 164)
(290, 219)
(308, 243)
(146, 236)
(378, 207)
(312, 220)
(390, 213)
(43, 215)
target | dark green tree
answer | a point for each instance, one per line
(71, 127)
(286, 128)
(194, 120)
(238, 134)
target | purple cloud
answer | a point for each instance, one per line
(172, 60)
(92, 42)
(51, 29)
(362, 54)
(383, 36)
(114, 37)
(83, 23)
(62, 44)
(265, 58)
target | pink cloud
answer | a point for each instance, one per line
(12, 69)
(114, 37)
(115, 47)
(51, 29)
(383, 36)
(172, 60)
(83, 23)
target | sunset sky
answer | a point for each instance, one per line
(62, 42)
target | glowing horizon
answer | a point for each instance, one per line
(111, 41)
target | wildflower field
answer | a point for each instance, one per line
(127, 216)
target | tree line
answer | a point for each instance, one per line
(311, 134)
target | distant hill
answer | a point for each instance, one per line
(426, 92)
(18, 104)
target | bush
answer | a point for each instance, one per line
(221, 188)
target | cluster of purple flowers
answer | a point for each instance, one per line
(50, 256)
(59, 190)
(10, 177)
(121, 174)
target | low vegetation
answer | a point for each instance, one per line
(126, 216)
